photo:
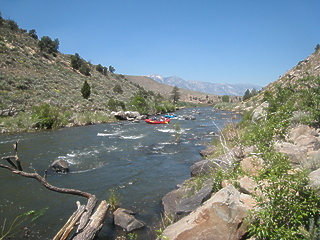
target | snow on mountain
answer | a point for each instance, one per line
(206, 87)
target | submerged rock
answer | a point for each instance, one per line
(60, 166)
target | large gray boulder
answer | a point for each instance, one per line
(302, 141)
(294, 152)
(315, 178)
(131, 114)
(182, 201)
(203, 167)
(260, 112)
(124, 218)
(219, 218)
(119, 115)
(60, 165)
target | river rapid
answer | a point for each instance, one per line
(141, 162)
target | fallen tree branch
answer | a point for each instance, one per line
(89, 224)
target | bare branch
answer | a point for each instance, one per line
(90, 224)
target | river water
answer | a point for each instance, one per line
(141, 162)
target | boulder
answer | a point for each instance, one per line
(208, 151)
(124, 218)
(315, 178)
(294, 152)
(120, 115)
(247, 185)
(251, 165)
(180, 202)
(131, 114)
(260, 113)
(172, 199)
(308, 141)
(203, 167)
(60, 166)
(190, 203)
(301, 130)
(219, 218)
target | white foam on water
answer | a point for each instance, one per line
(132, 137)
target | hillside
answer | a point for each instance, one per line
(30, 77)
(34, 82)
(206, 87)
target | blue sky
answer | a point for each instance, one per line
(226, 41)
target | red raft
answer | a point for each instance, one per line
(164, 121)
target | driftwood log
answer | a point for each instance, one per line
(89, 223)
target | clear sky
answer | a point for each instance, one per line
(225, 41)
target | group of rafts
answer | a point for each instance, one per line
(163, 119)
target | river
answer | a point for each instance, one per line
(141, 162)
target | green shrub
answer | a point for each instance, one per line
(287, 203)
(139, 103)
(118, 89)
(225, 98)
(86, 90)
(48, 117)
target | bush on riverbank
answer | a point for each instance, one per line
(51, 117)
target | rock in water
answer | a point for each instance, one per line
(60, 166)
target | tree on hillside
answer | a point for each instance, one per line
(32, 33)
(13, 25)
(80, 64)
(1, 19)
(225, 98)
(49, 46)
(112, 69)
(175, 94)
(84, 68)
(105, 71)
(317, 47)
(99, 68)
(75, 61)
(86, 90)
(246, 95)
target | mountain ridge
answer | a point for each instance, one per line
(206, 87)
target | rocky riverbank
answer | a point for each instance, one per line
(200, 213)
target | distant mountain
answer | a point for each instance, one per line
(206, 87)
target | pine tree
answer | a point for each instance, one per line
(86, 90)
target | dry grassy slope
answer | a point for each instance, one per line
(29, 77)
